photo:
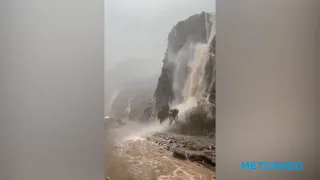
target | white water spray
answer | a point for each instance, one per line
(196, 84)
(181, 60)
(196, 87)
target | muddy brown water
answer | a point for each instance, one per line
(129, 156)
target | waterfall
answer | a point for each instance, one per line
(187, 77)
(128, 109)
(114, 95)
(196, 86)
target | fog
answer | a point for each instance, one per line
(136, 34)
(139, 28)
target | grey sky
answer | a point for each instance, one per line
(139, 28)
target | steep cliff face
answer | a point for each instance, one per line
(189, 59)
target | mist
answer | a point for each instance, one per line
(139, 28)
(136, 34)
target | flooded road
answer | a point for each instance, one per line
(131, 157)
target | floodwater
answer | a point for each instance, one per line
(131, 157)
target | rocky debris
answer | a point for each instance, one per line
(198, 149)
(202, 157)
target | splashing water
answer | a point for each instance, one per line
(130, 156)
(196, 87)
(181, 60)
(196, 84)
(137, 131)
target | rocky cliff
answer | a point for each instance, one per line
(183, 41)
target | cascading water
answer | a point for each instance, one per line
(212, 55)
(196, 87)
(128, 109)
(114, 95)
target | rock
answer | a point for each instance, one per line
(201, 157)
(179, 153)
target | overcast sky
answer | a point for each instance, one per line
(139, 28)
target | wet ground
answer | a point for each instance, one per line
(199, 149)
(130, 156)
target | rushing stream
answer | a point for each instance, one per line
(129, 156)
